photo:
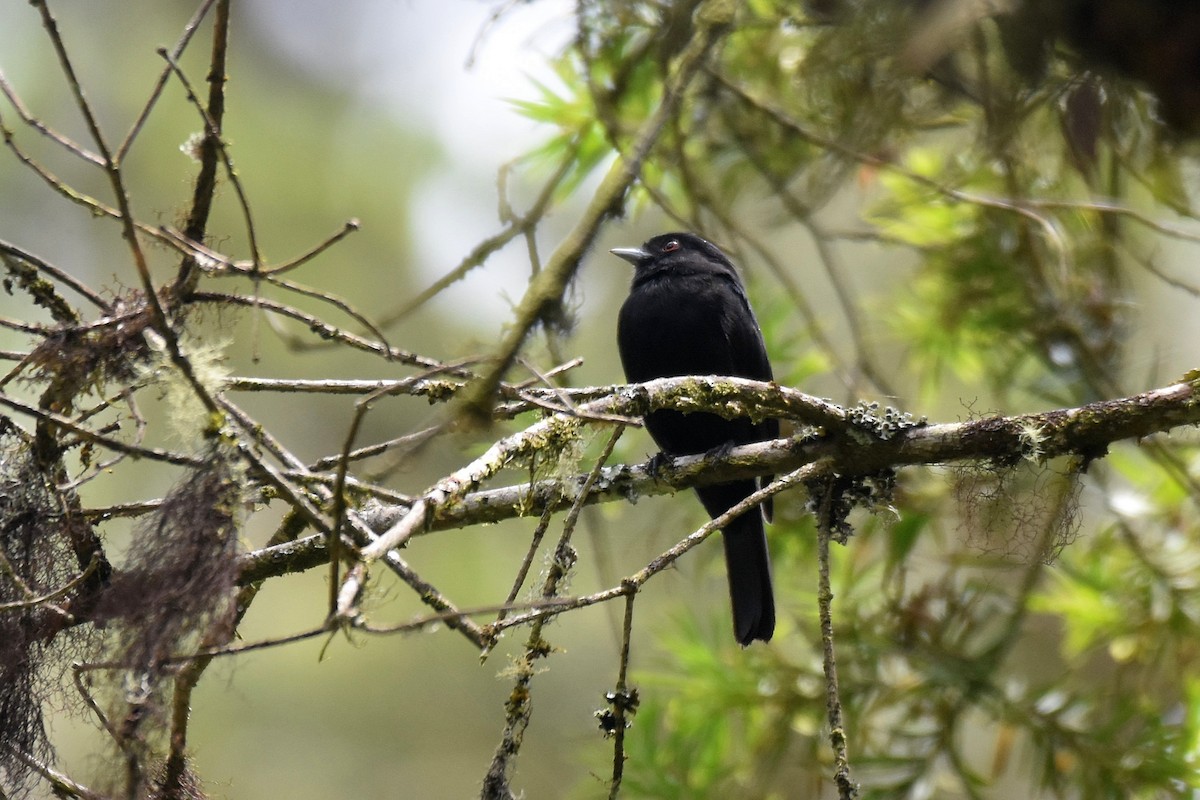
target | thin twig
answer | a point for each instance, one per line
(332, 299)
(484, 250)
(120, 510)
(666, 559)
(46, 598)
(189, 30)
(359, 534)
(211, 150)
(624, 701)
(520, 703)
(1047, 225)
(56, 274)
(535, 541)
(319, 327)
(143, 451)
(404, 443)
(361, 407)
(217, 263)
(348, 227)
(847, 789)
(63, 786)
(41, 127)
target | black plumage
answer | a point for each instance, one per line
(687, 314)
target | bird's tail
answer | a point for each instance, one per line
(747, 563)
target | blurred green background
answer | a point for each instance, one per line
(397, 114)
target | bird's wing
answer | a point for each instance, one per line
(746, 340)
(751, 361)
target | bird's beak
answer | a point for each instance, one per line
(634, 255)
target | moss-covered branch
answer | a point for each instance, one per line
(855, 442)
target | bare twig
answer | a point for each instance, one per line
(63, 786)
(665, 560)
(623, 701)
(520, 703)
(31, 600)
(535, 541)
(189, 30)
(484, 250)
(55, 273)
(41, 127)
(403, 443)
(153, 453)
(212, 148)
(332, 299)
(847, 789)
(321, 328)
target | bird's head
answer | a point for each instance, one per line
(676, 253)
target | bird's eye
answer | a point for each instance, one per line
(671, 246)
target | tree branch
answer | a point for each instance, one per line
(849, 444)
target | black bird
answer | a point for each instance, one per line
(687, 314)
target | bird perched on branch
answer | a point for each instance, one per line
(687, 314)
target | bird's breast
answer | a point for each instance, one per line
(665, 330)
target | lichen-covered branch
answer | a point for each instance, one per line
(856, 442)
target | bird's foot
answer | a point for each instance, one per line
(721, 451)
(656, 463)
